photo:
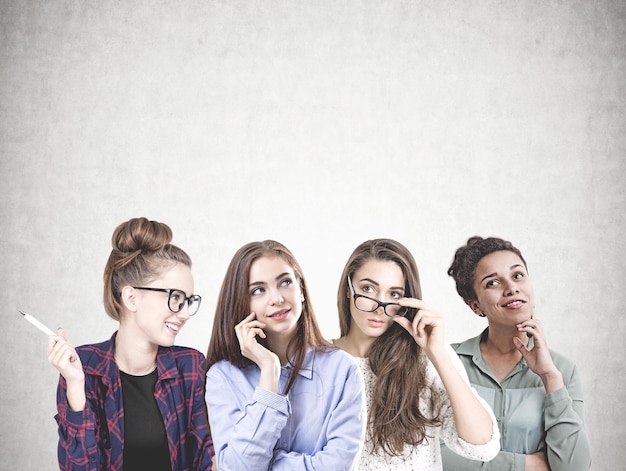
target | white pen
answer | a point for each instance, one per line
(36, 323)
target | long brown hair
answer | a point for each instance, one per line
(141, 251)
(233, 305)
(394, 418)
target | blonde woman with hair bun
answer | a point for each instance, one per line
(136, 401)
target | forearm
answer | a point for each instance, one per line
(567, 443)
(77, 448)
(75, 393)
(245, 430)
(473, 422)
(242, 448)
(270, 376)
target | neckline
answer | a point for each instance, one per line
(150, 373)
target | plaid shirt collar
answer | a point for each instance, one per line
(106, 361)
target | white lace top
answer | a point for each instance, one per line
(427, 456)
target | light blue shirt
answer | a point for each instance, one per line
(318, 425)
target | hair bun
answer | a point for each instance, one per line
(140, 234)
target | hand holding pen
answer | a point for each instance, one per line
(62, 355)
(64, 358)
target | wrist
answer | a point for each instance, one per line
(552, 381)
(270, 375)
(76, 398)
(436, 351)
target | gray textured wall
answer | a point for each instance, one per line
(319, 124)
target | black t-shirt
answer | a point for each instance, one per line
(145, 440)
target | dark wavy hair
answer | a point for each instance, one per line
(141, 252)
(233, 305)
(394, 417)
(466, 258)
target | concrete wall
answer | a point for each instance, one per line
(319, 124)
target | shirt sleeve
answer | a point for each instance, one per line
(503, 461)
(483, 452)
(202, 443)
(567, 443)
(77, 449)
(345, 434)
(245, 430)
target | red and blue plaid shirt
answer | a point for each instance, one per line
(93, 439)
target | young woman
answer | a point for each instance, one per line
(278, 395)
(135, 402)
(535, 392)
(417, 391)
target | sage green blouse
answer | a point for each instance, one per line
(529, 419)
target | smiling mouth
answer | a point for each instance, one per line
(514, 304)
(173, 327)
(279, 314)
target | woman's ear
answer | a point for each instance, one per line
(129, 298)
(474, 306)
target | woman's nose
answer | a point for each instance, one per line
(511, 289)
(183, 314)
(277, 299)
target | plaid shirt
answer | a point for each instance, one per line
(93, 439)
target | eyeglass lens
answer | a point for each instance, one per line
(177, 301)
(370, 305)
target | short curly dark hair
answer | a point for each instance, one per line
(466, 259)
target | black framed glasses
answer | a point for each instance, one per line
(177, 298)
(367, 304)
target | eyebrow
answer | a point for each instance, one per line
(282, 275)
(491, 275)
(398, 288)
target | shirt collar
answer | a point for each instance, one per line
(471, 346)
(166, 364)
(306, 371)
(102, 361)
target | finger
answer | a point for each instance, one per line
(246, 319)
(55, 344)
(61, 354)
(415, 303)
(538, 325)
(418, 323)
(249, 331)
(424, 319)
(531, 327)
(404, 322)
(528, 328)
(249, 317)
(256, 331)
(254, 324)
(65, 354)
(421, 327)
(54, 339)
(520, 346)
